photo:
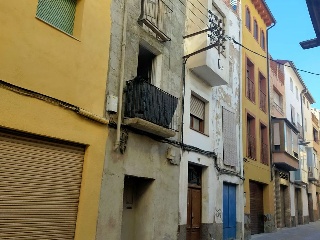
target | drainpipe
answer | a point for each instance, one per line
(184, 63)
(120, 95)
(269, 106)
(240, 108)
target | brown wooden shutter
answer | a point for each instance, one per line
(39, 188)
(229, 138)
(197, 107)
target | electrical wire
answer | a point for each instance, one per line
(185, 14)
(192, 12)
(283, 64)
(199, 11)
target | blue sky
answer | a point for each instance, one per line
(293, 26)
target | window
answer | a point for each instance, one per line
(250, 81)
(229, 140)
(288, 140)
(305, 124)
(251, 140)
(297, 94)
(304, 100)
(58, 13)
(248, 19)
(197, 114)
(291, 85)
(315, 135)
(146, 62)
(262, 40)
(276, 136)
(295, 144)
(292, 114)
(263, 92)
(255, 30)
(264, 144)
(277, 99)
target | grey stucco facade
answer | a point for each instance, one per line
(140, 187)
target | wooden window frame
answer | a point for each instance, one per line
(264, 140)
(250, 78)
(248, 18)
(262, 40)
(201, 124)
(255, 30)
(251, 130)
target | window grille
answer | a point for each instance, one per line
(58, 13)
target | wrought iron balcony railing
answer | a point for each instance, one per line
(278, 108)
(264, 153)
(155, 15)
(251, 146)
(263, 101)
(250, 90)
(146, 101)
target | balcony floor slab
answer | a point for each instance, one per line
(149, 127)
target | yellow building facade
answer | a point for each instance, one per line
(52, 127)
(258, 185)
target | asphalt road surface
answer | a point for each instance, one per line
(309, 231)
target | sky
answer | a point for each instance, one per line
(293, 25)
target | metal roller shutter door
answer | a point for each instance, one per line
(39, 188)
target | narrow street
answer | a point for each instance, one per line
(309, 231)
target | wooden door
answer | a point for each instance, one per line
(256, 208)
(194, 213)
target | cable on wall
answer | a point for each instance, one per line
(54, 101)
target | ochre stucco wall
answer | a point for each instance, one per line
(253, 169)
(36, 56)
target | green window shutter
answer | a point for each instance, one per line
(58, 13)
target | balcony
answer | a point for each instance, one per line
(150, 109)
(278, 108)
(212, 65)
(263, 101)
(251, 146)
(285, 161)
(154, 15)
(313, 174)
(264, 154)
(250, 90)
(301, 177)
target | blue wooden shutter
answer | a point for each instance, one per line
(58, 13)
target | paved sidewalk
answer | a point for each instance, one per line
(309, 231)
